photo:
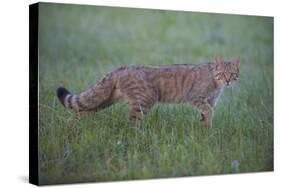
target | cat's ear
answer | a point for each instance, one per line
(237, 61)
(218, 62)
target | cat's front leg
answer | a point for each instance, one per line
(214, 97)
(206, 120)
(205, 110)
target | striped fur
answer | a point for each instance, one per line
(199, 85)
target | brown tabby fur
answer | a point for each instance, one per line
(199, 85)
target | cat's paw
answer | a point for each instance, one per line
(205, 124)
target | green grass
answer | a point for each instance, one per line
(79, 44)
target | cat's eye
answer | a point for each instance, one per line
(219, 76)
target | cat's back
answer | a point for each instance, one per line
(161, 72)
(178, 70)
(124, 70)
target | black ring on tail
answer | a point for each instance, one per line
(62, 93)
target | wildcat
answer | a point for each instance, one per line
(199, 85)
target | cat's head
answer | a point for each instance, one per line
(226, 73)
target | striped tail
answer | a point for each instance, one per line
(64, 97)
(98, 96)
(70, 100)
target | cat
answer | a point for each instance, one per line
(199, 85)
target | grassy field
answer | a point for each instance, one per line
(79, 44)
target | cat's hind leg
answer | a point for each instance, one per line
(139, 108)
(140, 104)
(139, 93)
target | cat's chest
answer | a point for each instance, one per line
(205, 87)
(216, 93)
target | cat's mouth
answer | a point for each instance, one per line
(228, 84)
